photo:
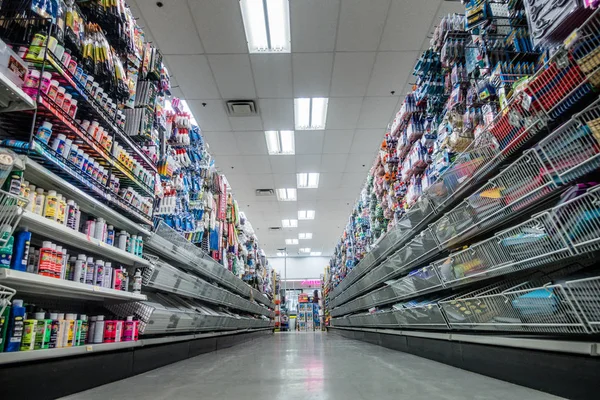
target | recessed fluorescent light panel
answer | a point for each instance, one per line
(289, 223)
(291, 241)
(304, 250)
(267, 25)
(280, 142)
(305, 236)
(306, 214)
(310, 114)
(315, 253)
(308, 180)
(286, 194)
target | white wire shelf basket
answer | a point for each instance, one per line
(527, 307)
(6, 294)
(585, 48)
(10, 213)
(519, 186)
(585, 293)
(425, 314)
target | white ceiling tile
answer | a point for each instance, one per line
(309, 142)
(260, 180)
(361, 24)
(308, 162)
(211, 117)
(360, 162)
(353, 180)
(233, 74)
(194, 76)
(239, 183)
(283, 180)
(365, 141)
(391, 71)
(277, 114)
(351, 72)
(333, 162)
(230, 164)
(343, 112)
(330, 179)
(314, 24)
(251, 142)
(337, 141)
(246, 123)
(283, 165)
(172, 27)
(288, 208)
(312, 74)
(272, 74)
(408, 23)
(376, 112)
(256, 164)
(221, 143)
(306, 196)
(219, 23)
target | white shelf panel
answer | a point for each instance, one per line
(53, 287)
(12, 98)
(40, 176)
(65, 235)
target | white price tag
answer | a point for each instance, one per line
(96, 288)
(89, 348)
(526, 102)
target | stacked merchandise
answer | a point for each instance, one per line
(305, 316)
(500, 125)
(104, 187)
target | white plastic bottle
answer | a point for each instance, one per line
(40, 199)
(137, 282)
(99, 329)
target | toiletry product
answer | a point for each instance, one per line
(62, 209)
(15, 326)
(122, 240)
(137, 281)
(70, 330)
(51, 206)
(45, 263)
(99, 281)
(20, 252)
(99, 329)
(40, 200)
(58, 263)
(109, 331)
(53, 90)
(83, 331)
(58, 144)
(44, 132)
(110, 235)
(118, 330)
(91, 329)
(28, 339)
(31, 198)
(128, 328)
(71, 215)
(54, 329)
(6, 250)
(4, 318)
(90, 271)
(42, 331)
(62, 329)
(79, 271)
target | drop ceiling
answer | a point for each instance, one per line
(355, 52)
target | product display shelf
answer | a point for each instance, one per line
(64, 235)
(49, 160)
(12, 98)
(167, 278)
(25, 282)
(567, 153)
(421, 248)
(191, 258)
(38, 175)
(88, 103)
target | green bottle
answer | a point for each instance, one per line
(3, 327)
(7, 249)
(42, 331)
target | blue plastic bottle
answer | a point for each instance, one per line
(20, 252)
(15, 326)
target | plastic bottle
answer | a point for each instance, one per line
(133, 241)
(58, 270)
(110, 235)
(83, 330)
(99, 329)
(100, 229)
(6, 250)
(54, 328)
(108, 276)
(51, 206)
(15, 326)
(71, 215)
(4, 318)
(58, 144)
(118, 330)
(78, 271)
(54, 262)
(110, 327)
(140, 246)
(20, 254)
(137, 282)
(128, 328)
(28, 339)
(90, 270)
(40, 200)
(45, 259)
(65, 261)
(70, 330)
(62, 328)
(99, 280)
(62, 209)
(91, 329)
(31, 197)
(42, 331)
(90, 228)
(122, 240)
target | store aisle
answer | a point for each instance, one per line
(309, 366)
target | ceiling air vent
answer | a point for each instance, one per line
(241, 108)
(265, 192)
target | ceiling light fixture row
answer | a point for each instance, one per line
(267, 25)
(304, 236)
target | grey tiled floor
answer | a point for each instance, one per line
(309, 366)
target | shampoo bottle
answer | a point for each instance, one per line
(21, 251)
(43, 331)
(15, 326)
(29, 330)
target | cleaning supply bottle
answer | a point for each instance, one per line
(91, 329)
(79, 326)
(51, 206)
(40, 200)
(4, 318)
(15, 326)
(70, 330)
(99, 329)
(28, 339)
(137, 281)
(6, 250)
(43, 331)
(20, 252)
(54, 331)
(62, 331)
